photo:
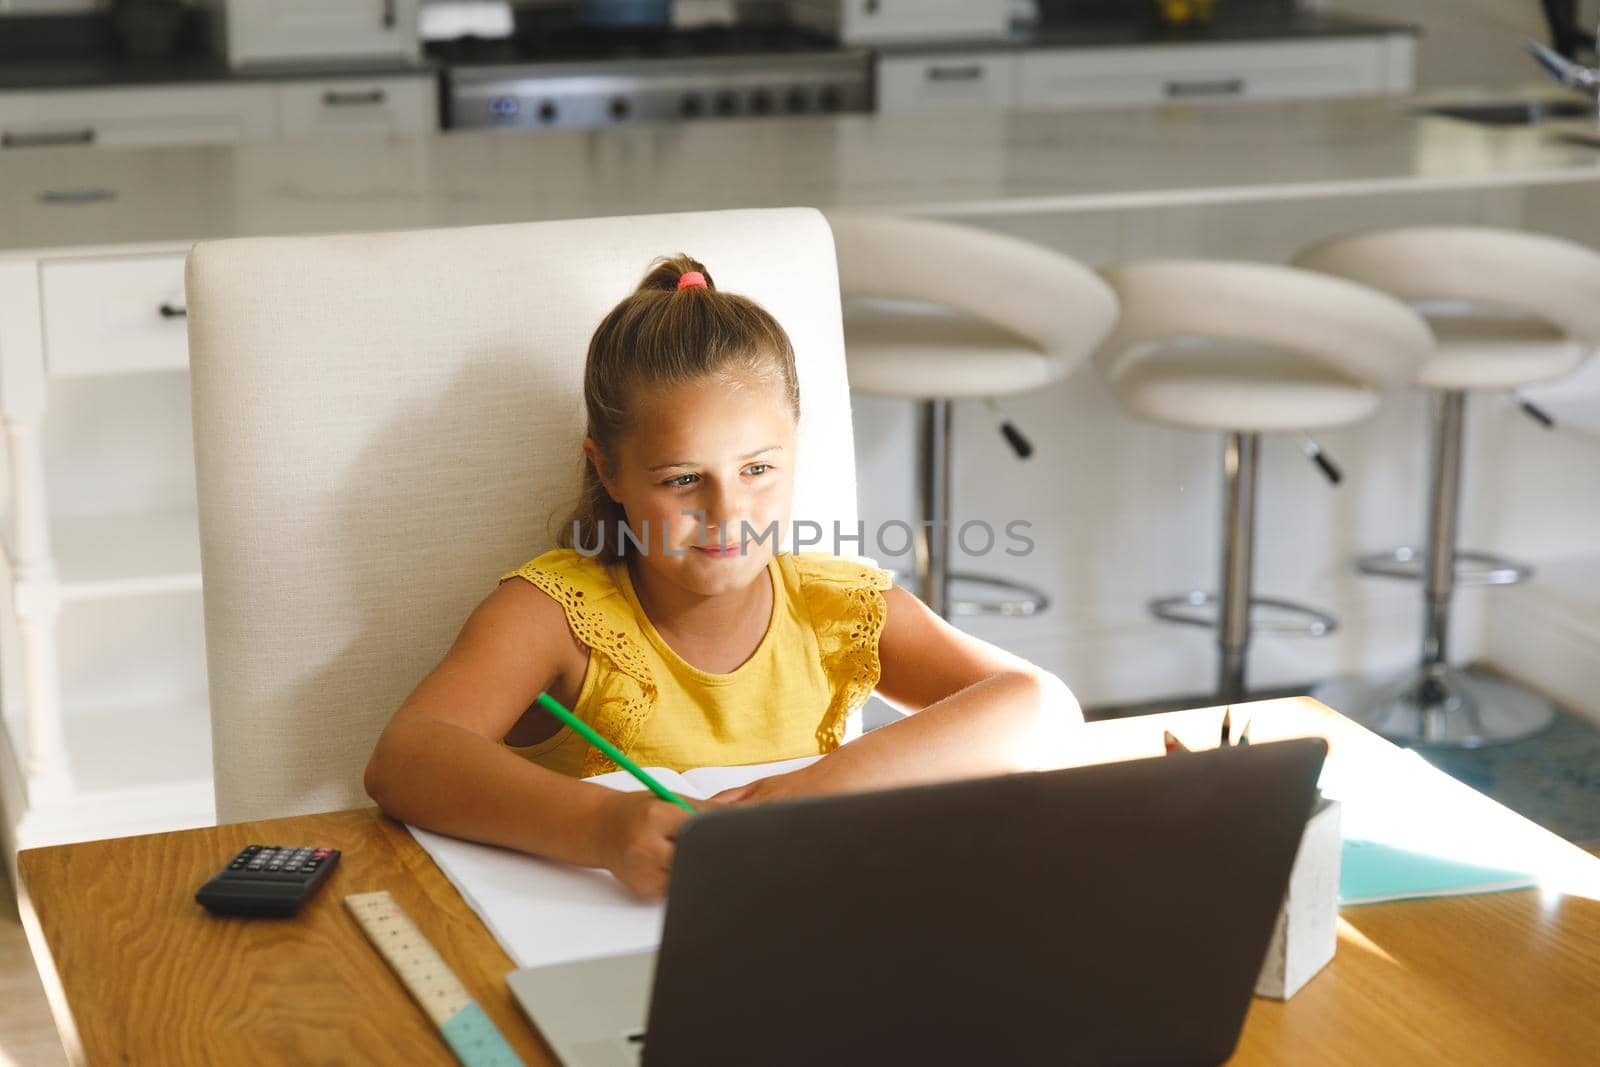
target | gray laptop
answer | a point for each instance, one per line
(1108, 914)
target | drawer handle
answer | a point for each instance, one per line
(970, 72)
(47, 138)
(77, 196)
(347, 98)
(173, 311)
(1215, 87)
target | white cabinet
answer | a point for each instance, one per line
(874, 21)
(345, 106)
(276, 31)
(105, 729)
(1054, 79)
(219, 112)
(166, 115)
(1051, 79)
(959, 82)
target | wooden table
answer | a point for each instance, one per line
(138, 973)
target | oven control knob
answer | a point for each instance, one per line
(619, 107)
(760, 102)
(727, 103)
(794, 101)
(547, 111)
(504, 107)
(828, 99)
(691, 106)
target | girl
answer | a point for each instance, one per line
(668, 622)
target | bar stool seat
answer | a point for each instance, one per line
(1246, 349)
(1508, 309)
(1484, 347)
(937, 312)
(914, 349)
(1208, 384)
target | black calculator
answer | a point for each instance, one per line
(269, 880)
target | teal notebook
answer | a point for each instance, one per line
(1370, 872)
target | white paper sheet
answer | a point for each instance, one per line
(542, 911)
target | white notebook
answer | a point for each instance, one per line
(543, 911)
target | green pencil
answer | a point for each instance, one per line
(585, 731)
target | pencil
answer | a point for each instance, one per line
(585, 731)
(1169, 739)
(1244, 735)
(1227, 717)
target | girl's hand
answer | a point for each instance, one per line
(637, 837)
(764, 790)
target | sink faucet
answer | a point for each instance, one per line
(1572, 75)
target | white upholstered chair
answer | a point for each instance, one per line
(937, 312)
(385, 423)
(1244, 349)
(1509, 309)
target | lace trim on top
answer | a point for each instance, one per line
(617, 716)
(847, 639)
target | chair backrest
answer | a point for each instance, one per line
(1546, 277)
(384, 423)
(1048, 298)
(1361, 333)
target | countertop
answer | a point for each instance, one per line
(80, 53)
(939, 165)
(113, 72)
(1253, 26)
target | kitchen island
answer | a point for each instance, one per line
(103, 673)
(948, 165)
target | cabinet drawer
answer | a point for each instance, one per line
(345, 106)
(163, 116)
(1068, 78)
(114, 315)
(957, 82)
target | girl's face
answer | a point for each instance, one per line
(708, 464)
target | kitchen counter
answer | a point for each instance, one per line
(1224, 28)
(946, 165)
(107, 72)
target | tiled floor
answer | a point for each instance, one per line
(1553, 779)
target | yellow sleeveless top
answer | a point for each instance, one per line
(816, 664)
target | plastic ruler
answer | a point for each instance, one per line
(469, 1032)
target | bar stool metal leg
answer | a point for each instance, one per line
(933, 503)
(1444, 512)
(1232, 611)
(1434, 703)
(1241, 458)
(931, 545)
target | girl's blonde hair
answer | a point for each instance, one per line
(658, 338)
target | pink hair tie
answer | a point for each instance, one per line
(692, 278)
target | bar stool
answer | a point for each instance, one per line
(1509, 309)
(937, 312)
(1246, 349)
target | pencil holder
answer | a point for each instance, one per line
(1307, 931)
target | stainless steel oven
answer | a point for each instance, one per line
(581, 77)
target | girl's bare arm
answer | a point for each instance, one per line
(975, 710)
(439, 763)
